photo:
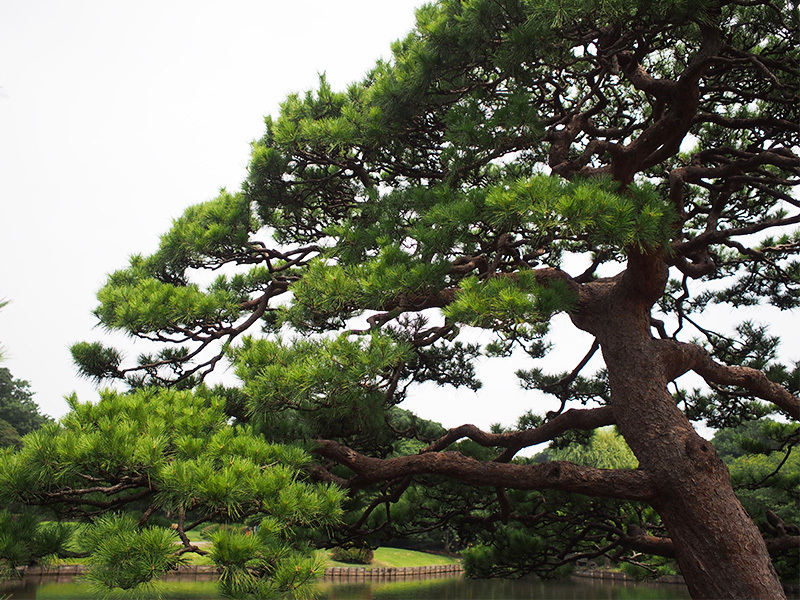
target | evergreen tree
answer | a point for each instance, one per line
(19, 414)
(138, 472)
(628, 163)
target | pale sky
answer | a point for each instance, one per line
(117, 115)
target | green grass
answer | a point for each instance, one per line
(397, 557)
(384, 557)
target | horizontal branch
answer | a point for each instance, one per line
(514, 441)
(659, 546)
(564, 476)
(79, 501)
(649, 544)
(685, 357)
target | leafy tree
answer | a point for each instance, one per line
(9, 435)
(141, 471)
(628, 163)
(19, 414)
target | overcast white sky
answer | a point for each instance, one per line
(116, 116)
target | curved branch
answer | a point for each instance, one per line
(574, 418)
(716, 236)
(684, 357)
(609, 483)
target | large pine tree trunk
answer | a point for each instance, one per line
(720, 550)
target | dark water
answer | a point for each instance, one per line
(443, 588)
(457, 588)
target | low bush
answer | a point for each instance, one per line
(353, 554)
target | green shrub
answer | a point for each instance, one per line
(353, 554)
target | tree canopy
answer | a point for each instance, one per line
(627, 163)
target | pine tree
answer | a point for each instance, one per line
(653, 144)
(128, 478)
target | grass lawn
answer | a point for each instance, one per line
(384, 557)
(397, 557)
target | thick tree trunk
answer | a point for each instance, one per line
(720, 550)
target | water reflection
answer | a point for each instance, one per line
(184, 587)
(201, 587)
(458, 588)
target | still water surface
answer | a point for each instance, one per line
(432, 588)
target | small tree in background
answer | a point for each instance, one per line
(143, 470)
(19, 414)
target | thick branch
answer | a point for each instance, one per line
(649, 544)
(685, 357)
(659, 546)
(564, 476)
(572, 419)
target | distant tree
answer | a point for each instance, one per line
(8, 435)
(628, 163)
(17, 407)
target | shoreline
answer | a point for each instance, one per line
(363, 573)
(330, 572)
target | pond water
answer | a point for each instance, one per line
(429, 588)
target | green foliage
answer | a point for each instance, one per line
(19, 414)
(96, 361)
(9, 435)
(657, 567)
(124, 555)
(172, 451)
(354, 554)
(506, 302)
(343, 379)
(552, 531)
(25, 540)
(606, 449)
(763, 460)
(768, 483)
(502, 556)
(216, 231)
(593, 210)
(137, 301)
(258, 563)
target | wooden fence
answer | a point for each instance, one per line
(392, 572)
(331, 572)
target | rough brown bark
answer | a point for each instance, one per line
(574, 418)
(720, 550)
(565, 476)
(718, 547)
